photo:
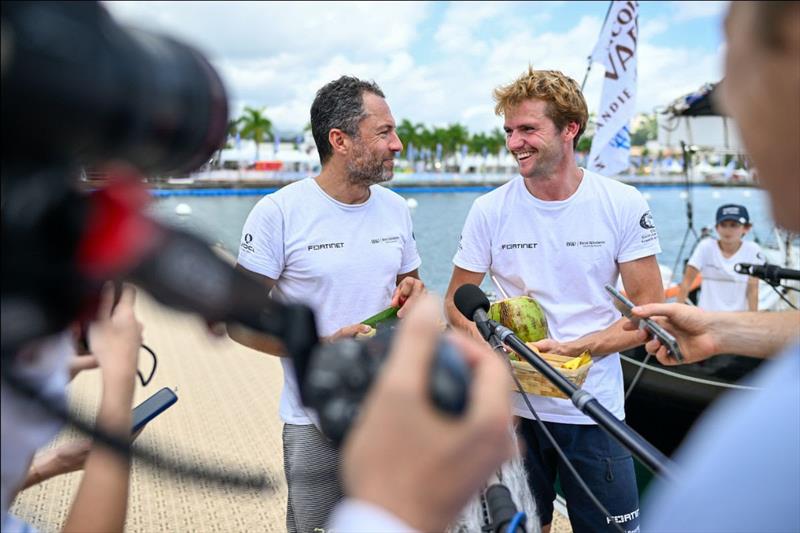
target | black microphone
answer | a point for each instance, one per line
(772, 274)
(471, 302)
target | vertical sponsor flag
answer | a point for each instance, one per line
(616, 50)
(438, 151)
(238, 141)
(277, 145)
(410, 152)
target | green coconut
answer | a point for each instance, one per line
(523, 315)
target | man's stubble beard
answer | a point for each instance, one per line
(365, 169)
(546, 166)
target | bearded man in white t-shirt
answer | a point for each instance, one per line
(559, 233)
(344, 246)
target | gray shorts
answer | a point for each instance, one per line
(311, 466)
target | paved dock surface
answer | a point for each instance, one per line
(226, 417)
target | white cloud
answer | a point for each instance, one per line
(458, 32)
(253, 29)
(277, 55)
(667, 73)
(652, 28)
(694, 10)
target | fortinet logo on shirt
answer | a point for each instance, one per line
(315, 247)
(518, 245)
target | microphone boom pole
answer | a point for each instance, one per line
(772, 274)
(473, 304)
(648, 454)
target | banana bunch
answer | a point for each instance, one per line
(578, 362)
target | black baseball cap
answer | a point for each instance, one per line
(733, 212)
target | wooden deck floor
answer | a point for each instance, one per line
(226, 417)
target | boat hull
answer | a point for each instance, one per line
(666, 401)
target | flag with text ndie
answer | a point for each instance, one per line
(616, 50)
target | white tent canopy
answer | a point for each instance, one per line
(246, 154)
(714, 132)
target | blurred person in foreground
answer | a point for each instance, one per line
(741, 465)
(69, 456)
(102, 497)
(341, 244)
(407, 466)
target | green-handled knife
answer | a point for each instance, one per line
(387, 314)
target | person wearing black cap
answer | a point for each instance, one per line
(723, 289)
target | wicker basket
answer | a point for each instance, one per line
(535, 383)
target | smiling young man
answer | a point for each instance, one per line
(342, 245)
(559, 233)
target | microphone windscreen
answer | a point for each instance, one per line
(469, 298)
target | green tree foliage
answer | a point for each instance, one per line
(256, 126)
(451, 137)
(585, 143)
(233, 128)
(647, 131)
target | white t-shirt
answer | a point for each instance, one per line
(723, 289)
(562, 253)
(358, 516)
(740, 465)
(341, 260)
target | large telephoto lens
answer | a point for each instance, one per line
(77, 86)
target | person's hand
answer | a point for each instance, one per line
(560, 348)
(66, 458)
(690, 325)
(407, 292)
(116, 335)
(414, 461)
(347, 332)
(79, 363)
(71, 456)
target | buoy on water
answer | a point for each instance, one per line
(183, 209)
(412, 203)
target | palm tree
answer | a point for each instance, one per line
(256, 126)
(408, 134)
(497, 140)
(233, 128)
(455, 136)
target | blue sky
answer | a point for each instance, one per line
(437, 62)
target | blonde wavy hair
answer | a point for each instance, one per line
(565, 102)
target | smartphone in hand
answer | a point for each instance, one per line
(624, 306)
(152, 407)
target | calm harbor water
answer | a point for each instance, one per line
(439, 216)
